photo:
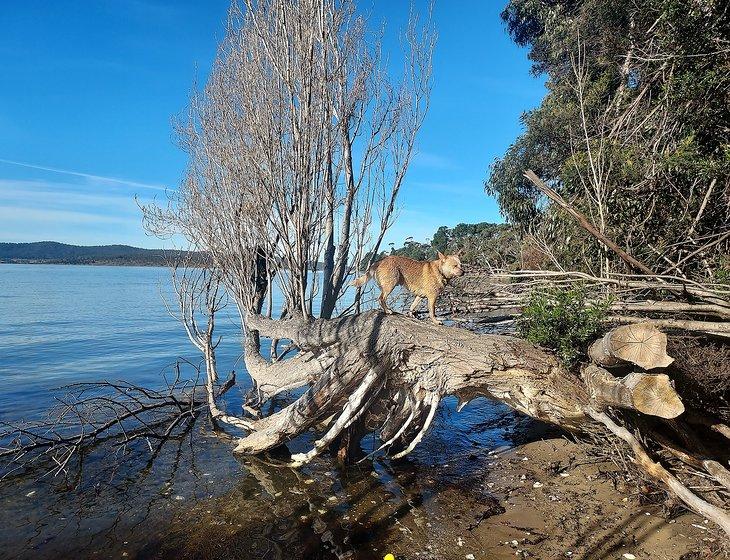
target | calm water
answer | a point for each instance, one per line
(65, 324)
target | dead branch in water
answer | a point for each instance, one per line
(119, 414)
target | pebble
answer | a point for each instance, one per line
(537, 485)
(29, 494)
(460, 541)
(564, 474)
(469, 557)
(629, 556)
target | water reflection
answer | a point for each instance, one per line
(194, 499)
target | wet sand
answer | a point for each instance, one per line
(555, 504)
(545, 500)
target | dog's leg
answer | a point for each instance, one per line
(384, 293)
(387, 278)
(414, 306)
(432, 310)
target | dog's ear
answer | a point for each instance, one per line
(442, 257)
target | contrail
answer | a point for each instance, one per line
(85, 175)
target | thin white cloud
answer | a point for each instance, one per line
(430, 160)
(42, 216)
(80, 213)
(51, 193)
(85, 175)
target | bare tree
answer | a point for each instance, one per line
(299, 144)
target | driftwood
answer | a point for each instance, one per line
(508, 290)
(388, 373)
(658, 472)
(410, 365)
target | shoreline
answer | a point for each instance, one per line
(94, 263)
(543, 500)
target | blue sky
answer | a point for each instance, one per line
(90, 88)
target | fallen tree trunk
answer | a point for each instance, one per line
(388, 373)
(414, 364)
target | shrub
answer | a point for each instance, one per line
(562, 320)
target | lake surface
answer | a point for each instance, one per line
(65, 324)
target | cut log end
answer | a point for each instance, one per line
(651, 394)
(641, 344)
(654, 395)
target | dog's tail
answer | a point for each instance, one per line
(362, 280)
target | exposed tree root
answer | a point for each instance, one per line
(388, 374)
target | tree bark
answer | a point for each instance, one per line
(414, 364)
(388, 373)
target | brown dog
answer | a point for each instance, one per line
(422, 278)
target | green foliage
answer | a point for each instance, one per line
(415, 250)
(479, 243)
(562, 320)
(482, 243)
(655, 107)
(722, 273)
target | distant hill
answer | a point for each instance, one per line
(51, 252)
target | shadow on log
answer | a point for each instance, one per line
(388, 373)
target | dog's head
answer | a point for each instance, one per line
(450, 265)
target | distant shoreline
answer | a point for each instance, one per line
(53, 252)
(86, 263)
